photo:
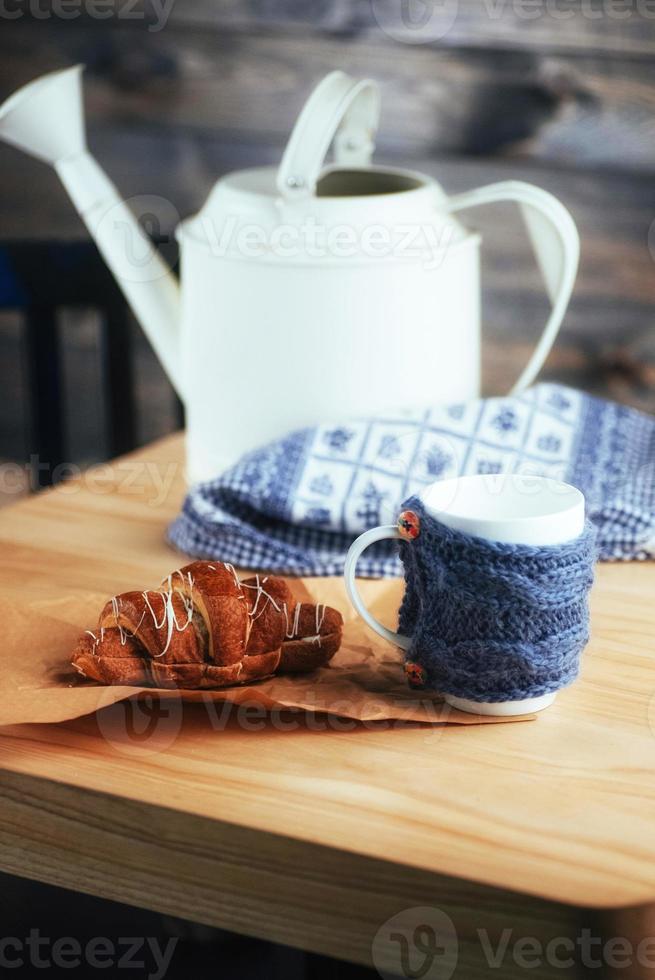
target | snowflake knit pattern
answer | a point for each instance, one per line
(491, 621)
(296, 505)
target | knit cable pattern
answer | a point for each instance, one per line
(491, 621)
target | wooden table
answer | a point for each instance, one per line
(316, 837)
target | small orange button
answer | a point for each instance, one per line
(409, 525)
(415, 674)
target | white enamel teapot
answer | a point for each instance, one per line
(308, 292)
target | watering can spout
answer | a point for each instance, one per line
(46, 119)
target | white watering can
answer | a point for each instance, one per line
(309, 292)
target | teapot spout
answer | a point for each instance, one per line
(46, 119)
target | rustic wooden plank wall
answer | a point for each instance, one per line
(543, 89)
(560, 92)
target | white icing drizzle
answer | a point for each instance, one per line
(187, 580)
(295, 625)
(96, 639)
(122, 632)
(255, 611)
(168, 616)
(232, 569)
(292, 633)
(291, 629)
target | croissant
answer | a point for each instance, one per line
(204, 628)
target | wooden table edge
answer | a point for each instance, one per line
(287, 890)
(316, 896)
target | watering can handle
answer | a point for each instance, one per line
(339, 106)
(556, 246)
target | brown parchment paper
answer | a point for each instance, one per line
(365, 680)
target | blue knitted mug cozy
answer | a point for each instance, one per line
(491, 621)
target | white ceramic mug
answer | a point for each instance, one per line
(509, 508)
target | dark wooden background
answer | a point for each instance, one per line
(559, 94)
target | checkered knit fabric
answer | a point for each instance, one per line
(295, 506)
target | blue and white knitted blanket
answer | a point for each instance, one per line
(295, 506)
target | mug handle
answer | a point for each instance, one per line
(556, 245)
(338, 105)
(355, 550)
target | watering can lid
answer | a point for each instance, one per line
(343, 112)
(357, 196)
(349, 184)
